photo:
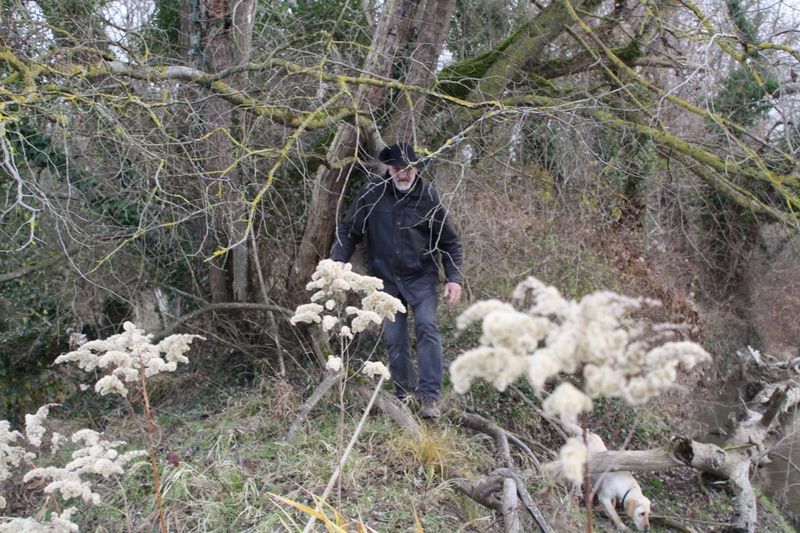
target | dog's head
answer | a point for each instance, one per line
(639, 511)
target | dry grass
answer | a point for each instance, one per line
(435, 452)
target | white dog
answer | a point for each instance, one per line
(614, 488)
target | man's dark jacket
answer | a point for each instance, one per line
(407, 235)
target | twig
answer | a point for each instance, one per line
(588, 493)
(52, 260)
(516, 441)
(787, 460)
(223, 306)
(340, 465)
(553, 423)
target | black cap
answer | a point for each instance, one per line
(400, 155)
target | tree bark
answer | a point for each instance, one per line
(223, 29)
(391, 34)
(432, 24)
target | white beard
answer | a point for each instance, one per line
(403, 187)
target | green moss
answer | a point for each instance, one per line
(458, 79)
(628, 53)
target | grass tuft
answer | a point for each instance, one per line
(435, 452)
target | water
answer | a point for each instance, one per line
(781, 479)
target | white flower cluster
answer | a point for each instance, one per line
(10, 454)
(34, 430)
(373, 368)
(97, 456)
(58, 523)
(332, 282)
(499, 366)
(126, 355)
(595, 336)
(573, 458)
(334, 364)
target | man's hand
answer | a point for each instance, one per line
(452, 293)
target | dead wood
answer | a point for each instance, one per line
(502, 479)
(733, 465)
(305, 408)
(510, 507)
(525, 496)
(672, 524)
(478, 423)
(393, 408)
(747, 446)
(483, 490)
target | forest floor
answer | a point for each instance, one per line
(227, 465)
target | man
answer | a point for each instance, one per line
(408, 234)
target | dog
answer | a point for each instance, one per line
(614, 488)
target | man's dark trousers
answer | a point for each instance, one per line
(429, 350)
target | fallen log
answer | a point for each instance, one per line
(745, 448)
(733, 465)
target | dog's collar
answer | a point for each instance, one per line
(625, 496)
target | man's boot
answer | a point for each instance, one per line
(429, 409)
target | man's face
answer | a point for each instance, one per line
(402, 176)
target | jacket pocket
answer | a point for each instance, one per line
(414, 237)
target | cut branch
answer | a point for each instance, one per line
(305, 408)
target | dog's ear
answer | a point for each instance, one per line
(630, 506)
(645, 503)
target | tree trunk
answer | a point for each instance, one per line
(390, 36)
(432, 24)
(222, 30)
